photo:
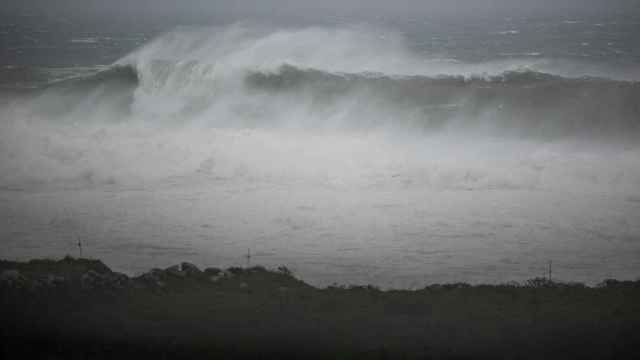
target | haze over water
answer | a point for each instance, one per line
(396, 151)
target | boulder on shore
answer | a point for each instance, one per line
(13, 279)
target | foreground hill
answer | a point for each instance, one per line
(79, 308)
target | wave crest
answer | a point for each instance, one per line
(345, 78)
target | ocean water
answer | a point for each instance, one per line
(394, 154)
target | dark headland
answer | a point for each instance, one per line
(79, 308)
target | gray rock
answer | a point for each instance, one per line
(13, 279)
(212, 271)
(91, 280)
(120, 281)
(94, 280)
(152, 278)
(51, 280)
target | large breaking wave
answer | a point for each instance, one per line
(350, 78)
(526, 103)
(175, 106)
(340, 151)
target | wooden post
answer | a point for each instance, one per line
(80, 247)
(248, 256)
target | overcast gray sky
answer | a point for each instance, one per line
(272, 9)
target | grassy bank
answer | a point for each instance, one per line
(79, 308)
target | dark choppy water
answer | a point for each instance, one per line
(42, 41)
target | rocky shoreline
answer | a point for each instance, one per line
(81, 308)
(93, 275)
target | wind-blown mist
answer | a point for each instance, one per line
(339, 152)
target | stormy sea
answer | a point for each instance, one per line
(353, 153)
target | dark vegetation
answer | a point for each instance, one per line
(79, 308)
